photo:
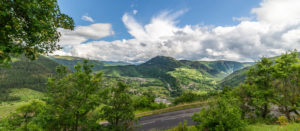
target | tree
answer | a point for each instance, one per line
(260, 79)
(119, 111)
(287, 83)
(72, 96)
(30, 27)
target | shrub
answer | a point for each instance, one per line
(183, 127)
(220, 116)
(282, 120)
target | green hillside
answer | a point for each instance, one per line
(177, 75)
(24, 73)
(235, 78)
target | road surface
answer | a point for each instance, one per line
(166, 120)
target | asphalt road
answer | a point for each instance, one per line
(166, 120)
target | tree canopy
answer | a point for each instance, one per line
(30, 27)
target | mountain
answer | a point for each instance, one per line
(178, 74)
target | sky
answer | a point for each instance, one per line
(138, 30)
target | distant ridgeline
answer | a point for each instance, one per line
(158, 73)
(70, 61)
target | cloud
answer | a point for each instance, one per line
(83, 33)
(242, 18)
(87, 18)
(72, 39)
(134, 12)
(269, 35)
(278, 11)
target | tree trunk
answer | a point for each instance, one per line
(265, 111)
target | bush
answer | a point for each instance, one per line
(185, 97)
(282, 120)
(224, 115)
(189, 96)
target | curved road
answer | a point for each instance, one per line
(166, 120)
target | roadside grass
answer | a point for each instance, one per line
(255, 127)
(25, 96)
(173, 108)
(264, 127)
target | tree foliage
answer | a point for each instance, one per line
(119, 109)
(72, 96)
(287, 83)
(273, 82)
(23, 118)
(30, 27)
(222, 115)
(260, 79)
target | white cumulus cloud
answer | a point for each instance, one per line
(275, 30)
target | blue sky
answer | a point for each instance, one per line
(209, 12)
(138, 30)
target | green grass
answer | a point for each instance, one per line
(25, 96)
(264, 127)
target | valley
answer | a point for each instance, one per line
(166, 77)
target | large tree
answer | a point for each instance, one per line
(119, 109)
(260, 79)
(30, 27)
(72, 96)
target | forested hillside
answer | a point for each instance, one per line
(235, 78)
(24, 73)
(238, 77)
